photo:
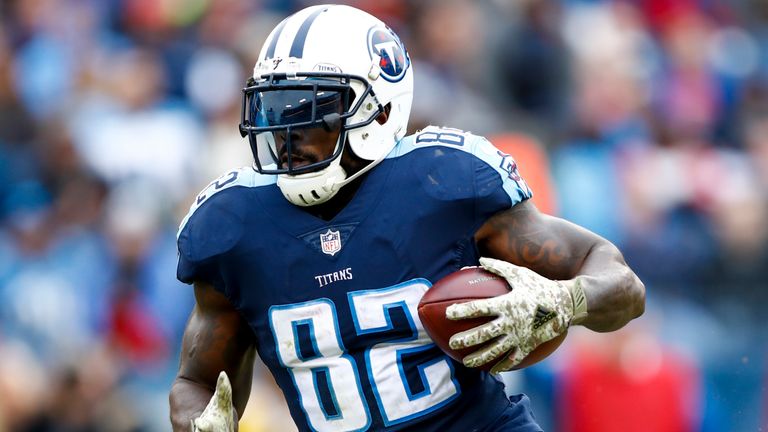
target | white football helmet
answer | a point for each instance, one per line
(332, 67)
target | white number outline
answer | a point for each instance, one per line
(316, 370)
(442, 135)
(416, 331)
(344, 355)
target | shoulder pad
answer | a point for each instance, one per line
(436, 136)
(244, 176)
(214, 223)
(502, 166)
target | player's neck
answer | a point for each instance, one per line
(335, 205)
(328, 210)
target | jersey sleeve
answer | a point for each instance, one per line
(212, 227)
(207, 235)
(498, 183)
(462, 166)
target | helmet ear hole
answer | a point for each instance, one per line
(384, 116)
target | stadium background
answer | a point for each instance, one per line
(643, 120)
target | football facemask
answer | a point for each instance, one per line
(280, 104)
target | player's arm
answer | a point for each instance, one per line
(560, 274)
(560, 250)
(216, 339)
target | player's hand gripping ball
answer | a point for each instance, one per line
(500, 316)
(218, 415)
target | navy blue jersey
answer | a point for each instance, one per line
(333, 303)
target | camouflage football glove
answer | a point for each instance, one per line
(218, 416)
(536, 310)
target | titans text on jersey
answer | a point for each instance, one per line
(333, 303)
(325, 279)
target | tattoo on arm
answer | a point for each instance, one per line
(522, 235)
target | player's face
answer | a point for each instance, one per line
(306, 123)
(307, 146)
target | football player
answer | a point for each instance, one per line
(316, 257)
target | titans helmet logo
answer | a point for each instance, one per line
(394, 61)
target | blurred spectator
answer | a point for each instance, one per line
(613, 60)
(85, 397)
(133, 130)
(533, 64)
(627, 381)
(53, 293)
(23, 387)
(16, 125)
(449, 67)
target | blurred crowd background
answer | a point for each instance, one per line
(643, 120)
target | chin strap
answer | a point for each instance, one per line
(318, 187)
(362, 171)
(312, 188)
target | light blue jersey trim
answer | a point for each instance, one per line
(433, 136)
(244, 176)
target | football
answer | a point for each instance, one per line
(467, 284)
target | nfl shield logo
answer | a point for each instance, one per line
(330, 242)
